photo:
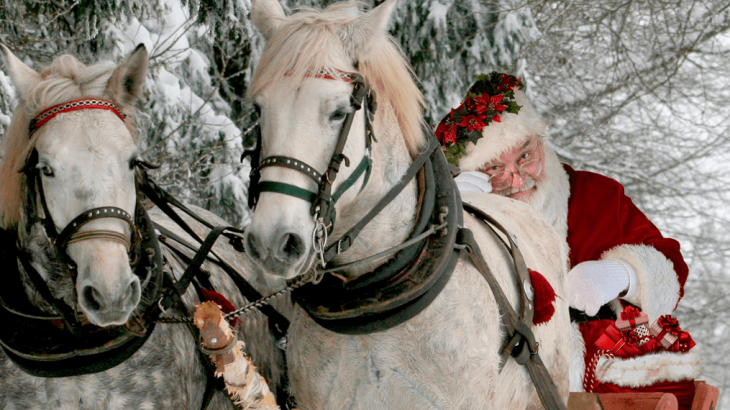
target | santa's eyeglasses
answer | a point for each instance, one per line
(528, 163)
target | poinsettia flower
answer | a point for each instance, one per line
(508, 83)
(446, 131)
(496, 118)
(467, 105)
(486, 103)
(473, 122)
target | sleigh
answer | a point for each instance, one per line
(705, 399)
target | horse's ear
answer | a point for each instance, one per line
(125, 83)
(24, 77)
(267, 16)
(371, 24)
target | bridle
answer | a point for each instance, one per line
(70, 233)
(64, 343)
(323, 201)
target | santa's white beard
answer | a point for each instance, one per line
(550, 198)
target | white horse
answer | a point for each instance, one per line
(446, 356)
(86, 159)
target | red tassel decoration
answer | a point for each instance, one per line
(220, 300)
(544, 298)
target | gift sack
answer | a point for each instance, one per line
(636, 356)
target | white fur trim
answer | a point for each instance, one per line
(577, 353)
(649, 369)
(657, 284)
(500, 137)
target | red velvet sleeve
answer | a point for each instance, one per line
(638, 229)
(601, 217)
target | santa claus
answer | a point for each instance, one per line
(616, 254)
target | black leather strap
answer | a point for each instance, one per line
(278, 323)
(605, 312)
(345, 241)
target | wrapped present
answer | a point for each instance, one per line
(667, 331)
(632, 317)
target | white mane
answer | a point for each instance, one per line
(324, 35)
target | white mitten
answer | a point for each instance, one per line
(592, 284)
(473, 181)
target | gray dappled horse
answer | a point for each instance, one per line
(379, 332)
(101, 273)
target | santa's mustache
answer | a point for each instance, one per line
(529, 184)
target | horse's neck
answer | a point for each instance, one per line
(393, 224)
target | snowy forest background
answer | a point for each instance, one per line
(636, 90)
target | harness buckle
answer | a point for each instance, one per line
(319, 237)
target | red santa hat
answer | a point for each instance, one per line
(494, 117)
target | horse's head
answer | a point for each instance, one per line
(315, 69)
(76, 159)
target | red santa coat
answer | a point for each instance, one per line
(603, 221)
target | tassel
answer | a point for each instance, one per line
(544, 298)
(222, 301)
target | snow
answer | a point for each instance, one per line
(437, 12)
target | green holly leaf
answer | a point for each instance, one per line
(513, 107)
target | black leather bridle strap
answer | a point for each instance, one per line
(323, 201)
(291, 163)
(324, 204)
(193, 268)
(280, 324)
(517, 328)
(70, 234)
(345, 241)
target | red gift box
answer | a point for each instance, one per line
(632, 317)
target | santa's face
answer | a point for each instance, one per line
(518, 172)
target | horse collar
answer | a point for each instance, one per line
(403, 287)
(48, 346)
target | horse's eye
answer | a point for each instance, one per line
(338, 115)
(45, 169)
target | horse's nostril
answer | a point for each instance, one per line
(252, 246)
(132, 295)
(291, 247)
(92, 298)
